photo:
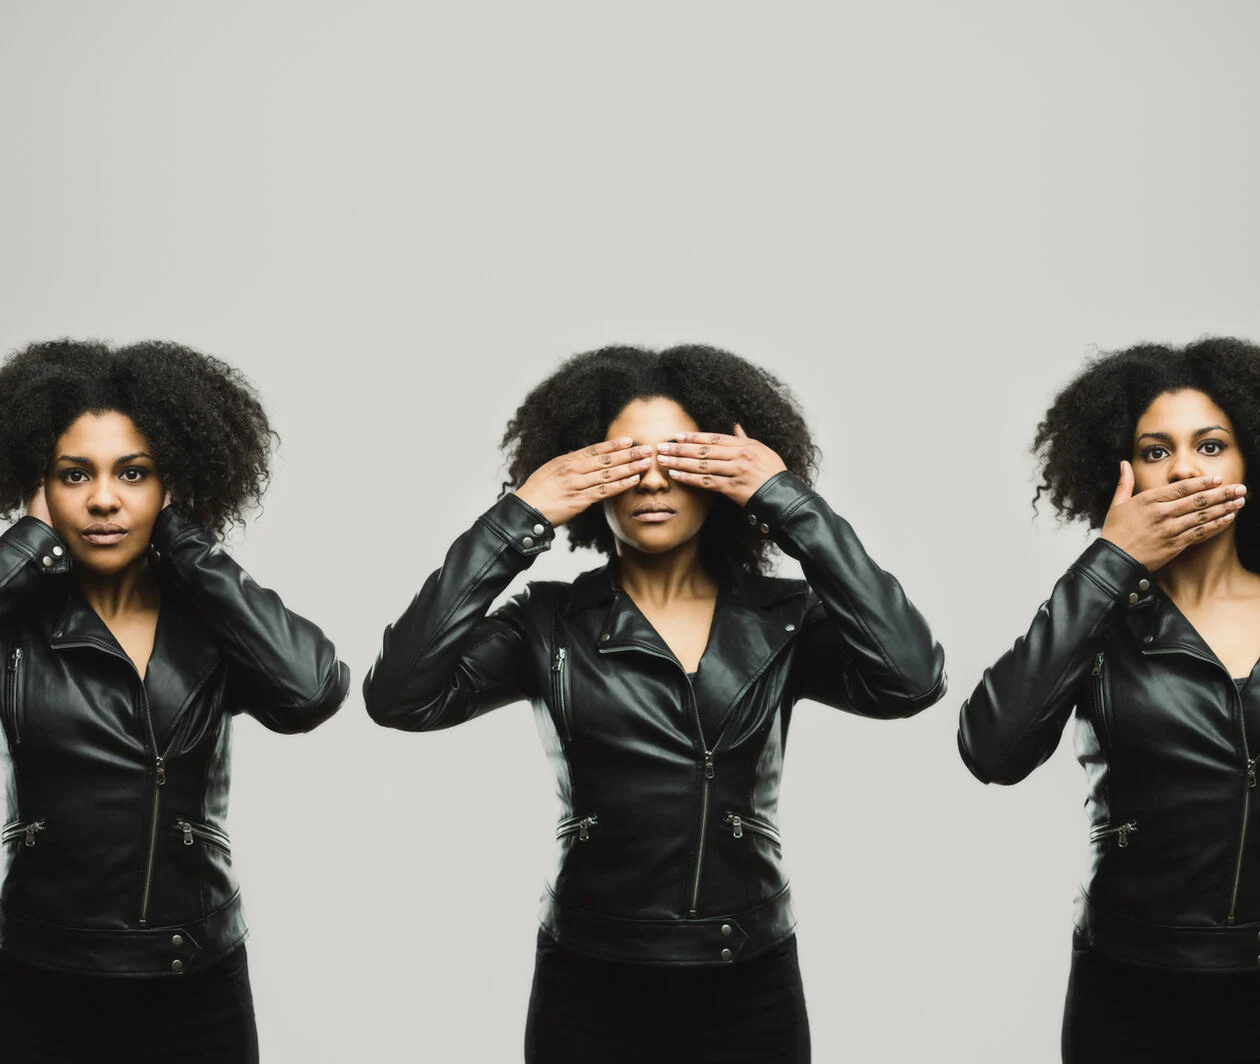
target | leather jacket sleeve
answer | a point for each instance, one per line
(864, 647)
(284, 669)
(1015, 717)
(444, 661)
(29, 552)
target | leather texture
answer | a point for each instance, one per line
(116, 858)
(1173, 878)
(652, 865)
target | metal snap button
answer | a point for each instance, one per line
(727, 955)
(726, 930)
(789, 628)
(177, 965)
(539, 530)
(528, 542)
(58, 551)
(1144, 585)
(1133, 598)
(764, 528)
(177, 940)
(604, 638)
(752, 519)
(1148, 639)
(46, 560)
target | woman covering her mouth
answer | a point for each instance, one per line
(662, 685)
(130, 638)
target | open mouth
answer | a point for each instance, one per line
(103, 535)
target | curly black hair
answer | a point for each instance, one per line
(574, 406)
(211, 440)
(1089, 426)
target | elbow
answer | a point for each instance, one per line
(925, 686)
(309, 713)
(986, 761)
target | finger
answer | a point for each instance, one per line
(1182, 489)
(592, 459)
(739, 431)
(607, 489)
(1199, 518)
(708, 481)
(596, 450)
(1124, 488)
(716, 466)
(701, 450)
(1202, 500)
(718, 438)
(610, 473)
(1202, 532)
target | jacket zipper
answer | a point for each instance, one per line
(15, 831)
(580, 826)
(708, 772)
(11, 676)
(1101, 697)
(560, 672)
(1250, 777)
(191, 831)
(1120, 833)
(159, 774)
(739, 824)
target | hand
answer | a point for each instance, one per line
(1155, 526)
(37, 506)
(565, 486)
(734, 466)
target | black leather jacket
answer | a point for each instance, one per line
(116, 859)
(667, 847)
(1174, 875)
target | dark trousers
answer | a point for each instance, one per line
(583, 1010)
(1118, 1013)
(204, 1017)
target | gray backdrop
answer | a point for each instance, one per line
(397, 216)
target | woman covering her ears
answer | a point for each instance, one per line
(130, 639)
(1152, 637)
(662, 684)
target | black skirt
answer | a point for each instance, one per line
(205, 1017)
(1117, 1013)
(583, 1009)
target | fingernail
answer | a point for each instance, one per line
(674, 473)
(665, 459)
(1241, 489)
(1216, 480)
(625, 441)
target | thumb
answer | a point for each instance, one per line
(1124, 489)
(739, 431)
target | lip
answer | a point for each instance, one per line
(104, 535)
(653, 515)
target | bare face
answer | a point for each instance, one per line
(657, 514)
(104, 492)
(1182, 435)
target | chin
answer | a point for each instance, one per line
(100, 563)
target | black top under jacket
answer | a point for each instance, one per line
(667, 849)
(116, 859)
(1161, 730)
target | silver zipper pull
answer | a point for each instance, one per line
(737, 825)
(584, 827)
(15, 659)
(31, 830)
(1098, 663)
(708, 765)
(161, 772)
(558, 663)
(1251, 773)
(186, 828)
(1123, 833)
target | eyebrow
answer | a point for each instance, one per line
(79, 460)
(1167, 438)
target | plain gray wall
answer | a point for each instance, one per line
(396, 217)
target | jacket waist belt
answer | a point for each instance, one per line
(707, 940)
(1234, 948)
(174, 950)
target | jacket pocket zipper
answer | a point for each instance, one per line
(192, 831)
(16, 831)
(742, 822)
(577, 825)
(1120, 833)
(560, 684)
(11, 676)
(1100, 698)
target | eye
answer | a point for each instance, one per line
(133, 474)
(73, 476)
(1154, 452)
(1211, 448)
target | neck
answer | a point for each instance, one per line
(661, 578)
(1210, 570)
(116, 594)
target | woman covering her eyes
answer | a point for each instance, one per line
(662, 684)
(130, 638)
(1152, 636)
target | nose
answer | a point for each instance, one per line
(1185, 466)
(654, 478)
(103, 499)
